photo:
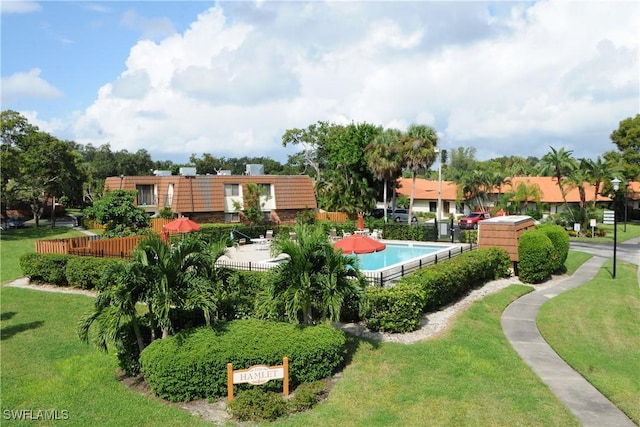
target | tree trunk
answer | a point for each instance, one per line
(136, 330)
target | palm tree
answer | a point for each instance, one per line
(474, 186)
(178, 276)
(115, 307)
(524, 193)
(315, 281)
(418, 154)
(598, 174)
(383, 159)
(339, 281)
(559, 164)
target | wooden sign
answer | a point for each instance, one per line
(256, 375)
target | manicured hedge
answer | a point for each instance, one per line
(560, 240)
(403, 231)
(193, 364)
(535, 253)
(66, 270)
(395, 309)
(87, 272)
(45, 268)
(398, 309)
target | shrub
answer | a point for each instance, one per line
(193, 364)
(395, 309)
(237, 294)
(45, 268)
(417, 232)
(306, 396)
(468, 236)
(560, 241)
(258, 405)
(398, 309)
(86, 272)
(535, 252)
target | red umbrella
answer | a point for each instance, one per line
(360, 221)
(359, 244)
(181, 225)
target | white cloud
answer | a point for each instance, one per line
(27, 85)
(513, 79)
(19, 6)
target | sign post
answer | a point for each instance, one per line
(258, 374)
(592, 222)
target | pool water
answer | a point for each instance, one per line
(395, 253)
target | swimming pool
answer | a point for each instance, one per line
(395, 253)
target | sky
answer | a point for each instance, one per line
(229, 78)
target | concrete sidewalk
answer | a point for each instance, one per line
(588, 405)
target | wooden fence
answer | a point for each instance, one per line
(90, 246)
(332, 216)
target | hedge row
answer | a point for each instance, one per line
(541, 252)
(398, 309)
(66, 270)
(193, 364)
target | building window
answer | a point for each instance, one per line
(231, 190)
(145, 195)
(231, 217)
(433, 206)
(265, 189)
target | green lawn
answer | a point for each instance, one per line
(574, 260)
(46, 367)
(471, 376)
(15, 243)
(633, 230)
(595, 329)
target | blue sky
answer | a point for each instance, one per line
(229, 78)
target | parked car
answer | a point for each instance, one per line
(471, 221)
(401, 215)
(16, 222)
(377, 213)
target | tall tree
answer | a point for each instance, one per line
(418, 151)
(37, 167)
(383, 156)
(559, 164)
(627, 139)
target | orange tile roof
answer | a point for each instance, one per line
(428, 189)
(207, 191)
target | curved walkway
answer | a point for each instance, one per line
(518, 320)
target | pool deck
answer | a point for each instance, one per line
(261, 252)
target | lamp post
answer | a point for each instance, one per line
(438, 206)
(616, 186)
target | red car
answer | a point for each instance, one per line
(471, 221)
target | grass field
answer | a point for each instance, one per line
(46, 367)
(603, 340)
(15, 243)
(633, 230)
(472, 376)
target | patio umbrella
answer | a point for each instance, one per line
(181, 225)
(359, 244)
(360, 221)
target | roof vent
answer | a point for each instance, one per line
(254, 169)
(188, 171)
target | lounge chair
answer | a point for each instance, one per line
(333, 234)
(269, 235)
